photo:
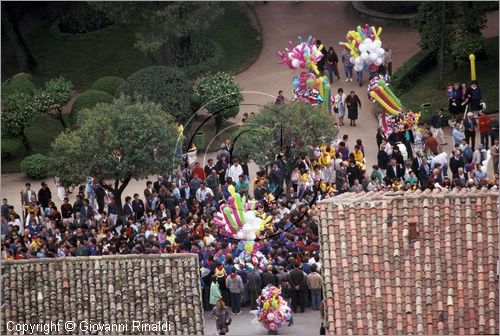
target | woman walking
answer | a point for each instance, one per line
(222, 317)
(352, 103)
(339, 105)
(215, 294)
(332, 60)
(346, 60)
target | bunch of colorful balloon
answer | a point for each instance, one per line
(238, 218)
(304, 55)
(272, 310)
(365, 47)
(312, 90)
(382, 94)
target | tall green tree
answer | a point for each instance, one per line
(163, 22)
(220, 95)
(19, 110)
(289, 128)
(52, 99)
(112, 142)
(450, 29)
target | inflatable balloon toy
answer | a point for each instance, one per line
(365, 47)
(304, 55)
(272, 310)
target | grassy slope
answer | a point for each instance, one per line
(487, 76)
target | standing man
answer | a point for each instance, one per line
(298, 284)
(494, 155)
(44, 195)
(438, 121)
(209, 167)
(315, 284)
(470, 125)
(484, 129)
(235, 285)
(280, 99)
(235, 170)
(254, 286)
(27, 194)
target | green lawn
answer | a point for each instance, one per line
(111, 52)
(424, 90)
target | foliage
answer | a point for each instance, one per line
(35, 166)
(423, 89)
(108, 84)
(190, 51)
(301, 124)
(393, 7)
(19, 109)
(116, 128)
(20, 83)
(9, 149)
(220, 95)
(465, 45)
(53, 98)
(82, 18)
(164, 85)
(410, 71)
(165, 21)
(89, 99)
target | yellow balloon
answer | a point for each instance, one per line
(388, 96)
(267, 220)
(248, 247)
(231, 190)
(266, 305)
(383, 103)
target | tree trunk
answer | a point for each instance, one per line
(63, 123)
(117, 193)
(165, 56)
(218, 124)
(23, 55)
(26, 142)
(442, 44)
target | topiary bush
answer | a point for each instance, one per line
(405, 76)
(82, 19)
(89, 99)
(108, 84)
(35, 166)
(167, 86)
(20, 83)
(10, 147)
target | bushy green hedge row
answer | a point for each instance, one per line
(211, 63)
(20, 83)
(108, 84)
(82, 19)
(89, 99)
(35, 166)
(404, 77)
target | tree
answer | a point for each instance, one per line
(113, 142)
(220, 95)
(444, 26)
(54, 97)
(163, 22)
(19, 110)
(25, 59)
(167, 86)
(289, 128)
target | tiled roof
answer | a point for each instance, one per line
(379, 281)
(110, 289)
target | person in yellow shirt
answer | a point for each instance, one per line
(359, 157)
(326, 164)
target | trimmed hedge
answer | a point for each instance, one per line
(89, 99)
(404, 77)
(108, 84)
(82, 19)
(35, 166)
(10, 147)
(20, 83)
(211, 63)
(167, 86)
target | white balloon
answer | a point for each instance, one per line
(295, 63)
(373, 57)
(378, 61)
(363, 47)
(368, 41)
(380, 51)
(358, 67)
(351, 60)
(290, 55)
(240, 235)
(364, 56)
(358, 60)
(373, 47)
(377, 43)
(251, 236)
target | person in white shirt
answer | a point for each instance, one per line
(235, 170)
(203, 191)
(339, 106)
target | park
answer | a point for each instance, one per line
(250, 168)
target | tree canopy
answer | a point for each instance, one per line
(54, 97)
(113, 142)
(295, 126)
(220, 95)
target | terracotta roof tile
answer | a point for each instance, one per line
(443, 283)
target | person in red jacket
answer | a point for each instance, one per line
(198, 170)
(484, 129)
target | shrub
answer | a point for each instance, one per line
(167, 86)
(405, 76)
(82, 18)
(190, 51)
(89, 99)
(35, 166)
(108, 84)
(10, 147)
(390, 7)
(194, 70)
(20, 83)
